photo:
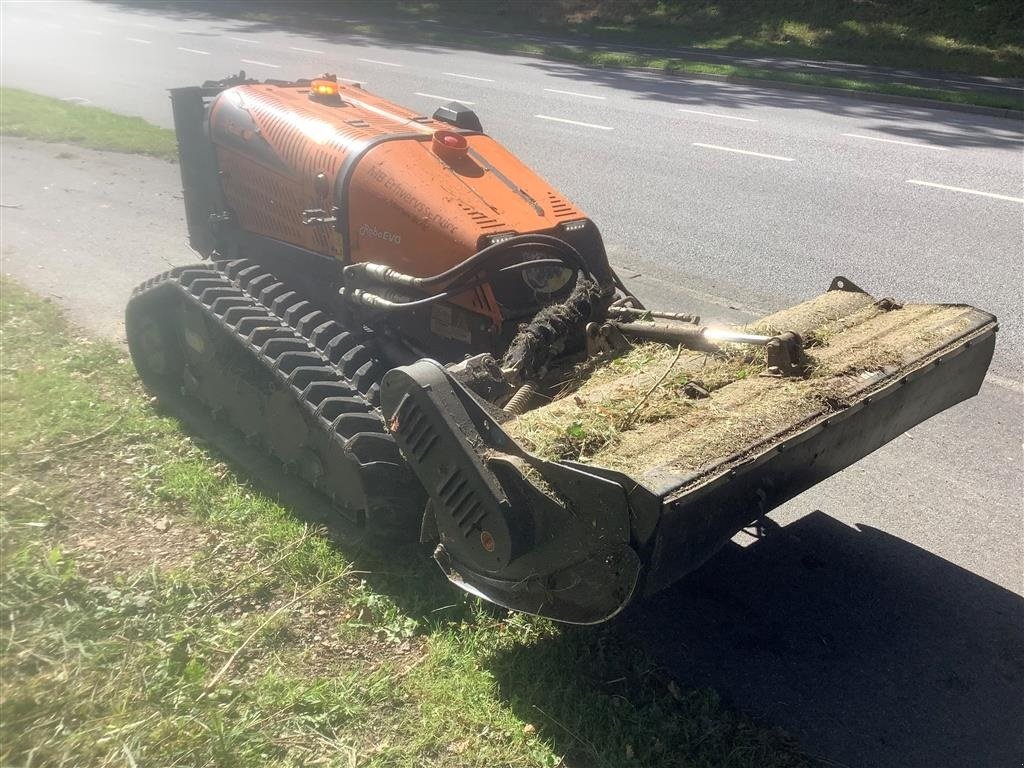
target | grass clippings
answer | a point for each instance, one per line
(638, 415)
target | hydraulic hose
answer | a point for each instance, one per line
(366, 298)
(559, 249)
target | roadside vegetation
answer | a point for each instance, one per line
(47, 119)
(158, 610)
(945, 36)
(985, 38)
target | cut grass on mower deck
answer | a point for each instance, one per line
(634, 416)
(156, 610)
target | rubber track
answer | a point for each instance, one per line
(297, 364)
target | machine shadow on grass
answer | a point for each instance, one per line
(867, 649)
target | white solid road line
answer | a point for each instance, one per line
(305, 50)
(895, 141)
(261, 63)
(469, 77)
(194, 50)
(139, 40)
(443, 98)
(743, 152)
(575, 122)
(382, 63)
(966, 191)
(574, 93)
(244, 40)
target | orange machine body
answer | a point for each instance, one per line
(402, 189)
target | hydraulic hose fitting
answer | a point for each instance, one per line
(367, 271)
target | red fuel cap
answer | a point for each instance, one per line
(449, 143)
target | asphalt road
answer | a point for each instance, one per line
(883, 623)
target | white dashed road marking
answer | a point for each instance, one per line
(966, 191)
(194, 50)
(574, 93)
(139, 40)
(895, 141)
(305, 50)
(261, 63)
(444, 98)
(716, 114)
(575, 122)
(382, 63)
(244, 40)
(743, 152)
(468, 77)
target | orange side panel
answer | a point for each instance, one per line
(422, 213)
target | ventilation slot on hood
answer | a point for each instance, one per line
(559, 208)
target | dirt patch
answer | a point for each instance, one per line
(99, 514)
(116, 544)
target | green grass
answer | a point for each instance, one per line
(157, 610)
(46, 119)
(613, 59)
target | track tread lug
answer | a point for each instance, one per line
(336, 348)
(233, 268)
(246, 275)
(294, 313)
(309, 321)
(304, 375)
(271, 292)
(348, 425)
(261, 334)
(354, 359)
(258, 282)
(324, 332)
(221, 306)
(368, 374)
(318, 391)
(331, 408)
(249, 320)
(288, 360)
(210, 295)
(374, 446)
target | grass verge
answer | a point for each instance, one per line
(947, 36)
(604, 57)
(157, 610)
(46, 119)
